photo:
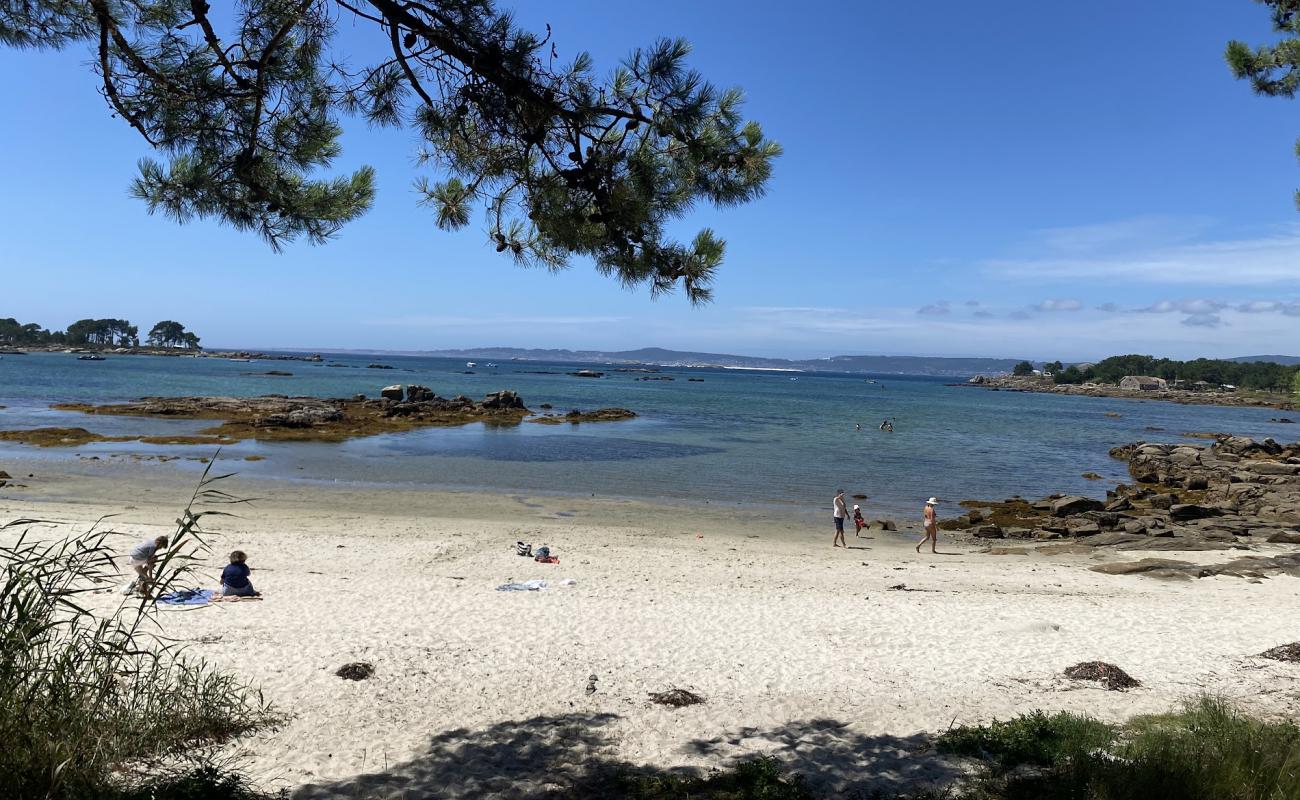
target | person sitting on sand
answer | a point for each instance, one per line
(234, 578)
(143, 558)
(858, 521)
(931, 526)
(841, 511)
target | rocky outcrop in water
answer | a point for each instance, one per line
(1230, 494)
(576, 416)
(281, 418)
(1018, 383)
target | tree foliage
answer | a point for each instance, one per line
(564, 162)
(170, 333)
(1272, 70)
(1255, 375)
(1023, 368)
(13, 332)
(103, 333)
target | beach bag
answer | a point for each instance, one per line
(523, 549)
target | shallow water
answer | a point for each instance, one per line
(737, 437)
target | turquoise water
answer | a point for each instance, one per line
(751, 438)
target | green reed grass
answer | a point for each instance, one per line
(1206, 750)
(85, 695)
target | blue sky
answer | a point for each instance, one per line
(1014, 178)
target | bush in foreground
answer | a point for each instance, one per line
(1208, 750)
(84, 694)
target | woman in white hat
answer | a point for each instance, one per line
(931, 526)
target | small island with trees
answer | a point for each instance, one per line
(1201, 381)
(96, 334)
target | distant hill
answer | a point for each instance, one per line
(658, 356)
(1286, 361)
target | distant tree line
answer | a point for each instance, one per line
(96, 333)
(1255, 375)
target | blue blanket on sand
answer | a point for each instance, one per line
(186, 597)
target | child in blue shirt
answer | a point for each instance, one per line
(234, 578)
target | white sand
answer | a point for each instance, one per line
(801, 650)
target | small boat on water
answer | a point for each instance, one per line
(91, 357)
(470, 364)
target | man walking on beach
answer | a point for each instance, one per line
(931, 526)
(841, 511)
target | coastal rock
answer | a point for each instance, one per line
(1163, 502)
(503, 400)
(419, 394)
(1273, 468)
(306, 417)
(1171, 543)
(281, 418)
(1280, 537)
(1075, 504)
(989, 532)
(1111, 538)
(1083, 527)
(576, 416)
(1182, 512)
(882, 525)
(1144, 565)
(587, 373)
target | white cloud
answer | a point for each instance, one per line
(1109, 308)
(1259, 307)
(1203, 320)
(1184, 307)
(1155, 251)
(1060, 304)
(938, 309)
(431, 321)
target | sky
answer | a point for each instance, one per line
(1012, 179)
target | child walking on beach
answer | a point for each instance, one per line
(143, 559)
(234, 578)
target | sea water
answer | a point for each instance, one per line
(762, 439)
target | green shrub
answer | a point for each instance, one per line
(1036, 738)
(1206, 751)
(83, 693)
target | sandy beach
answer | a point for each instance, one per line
(802, 651)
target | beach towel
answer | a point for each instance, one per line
(186, 597)
(547, 560)
(530, 586)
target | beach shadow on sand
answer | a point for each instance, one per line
(572, 755)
